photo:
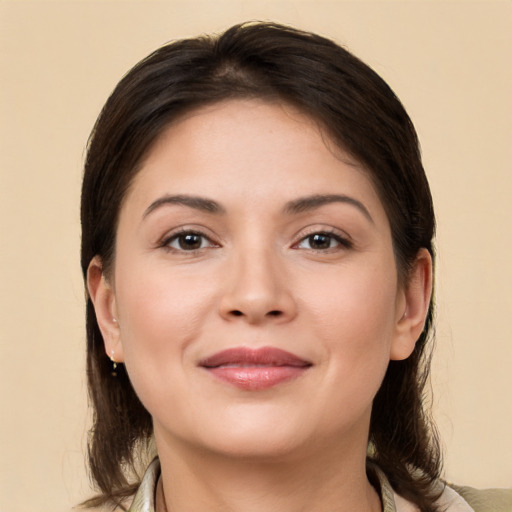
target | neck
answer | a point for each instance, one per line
(319, 481)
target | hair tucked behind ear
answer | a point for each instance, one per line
(362, 115)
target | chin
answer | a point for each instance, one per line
(256, 445)
(249, 432)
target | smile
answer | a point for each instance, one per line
(255, 369)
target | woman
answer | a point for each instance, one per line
(257, 247)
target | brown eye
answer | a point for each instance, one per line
(189, 241)
(322, 242)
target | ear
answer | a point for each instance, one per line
(412, 307)
(103, 298)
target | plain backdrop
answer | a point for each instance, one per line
(449, 62)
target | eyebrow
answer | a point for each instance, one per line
(305, 204)
(196, 202)
(300, 205)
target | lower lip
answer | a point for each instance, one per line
(254, 378)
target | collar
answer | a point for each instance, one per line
(144, 500)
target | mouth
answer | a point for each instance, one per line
(255, 369)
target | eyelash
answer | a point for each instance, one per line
(341, 241)
(182, 234)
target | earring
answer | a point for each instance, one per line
(114, 364)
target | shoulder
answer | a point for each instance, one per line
(101, 508)
(453, 498)
(144, 498)
(124, 507)
(485, 500)
(456, 498)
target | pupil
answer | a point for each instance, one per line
(320, 241)
(190, 241)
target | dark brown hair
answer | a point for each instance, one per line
(362, 115)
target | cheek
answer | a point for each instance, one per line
(359, 303)
(354, 317)
(160, 313)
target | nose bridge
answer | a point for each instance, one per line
(256, 287)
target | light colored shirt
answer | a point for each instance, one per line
(493, 500)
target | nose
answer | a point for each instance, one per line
(257, 290)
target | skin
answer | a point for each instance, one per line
(256, 278)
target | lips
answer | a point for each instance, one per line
(255, 369)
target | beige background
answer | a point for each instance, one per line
(450, 63)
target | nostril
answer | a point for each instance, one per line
(274, 312)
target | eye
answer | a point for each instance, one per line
(188, 241)
(322, 241)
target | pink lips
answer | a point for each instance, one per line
(255, 369)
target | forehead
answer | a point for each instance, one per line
(249, 150)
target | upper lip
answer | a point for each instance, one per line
(246, 356)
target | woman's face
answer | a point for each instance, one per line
(254, 287)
